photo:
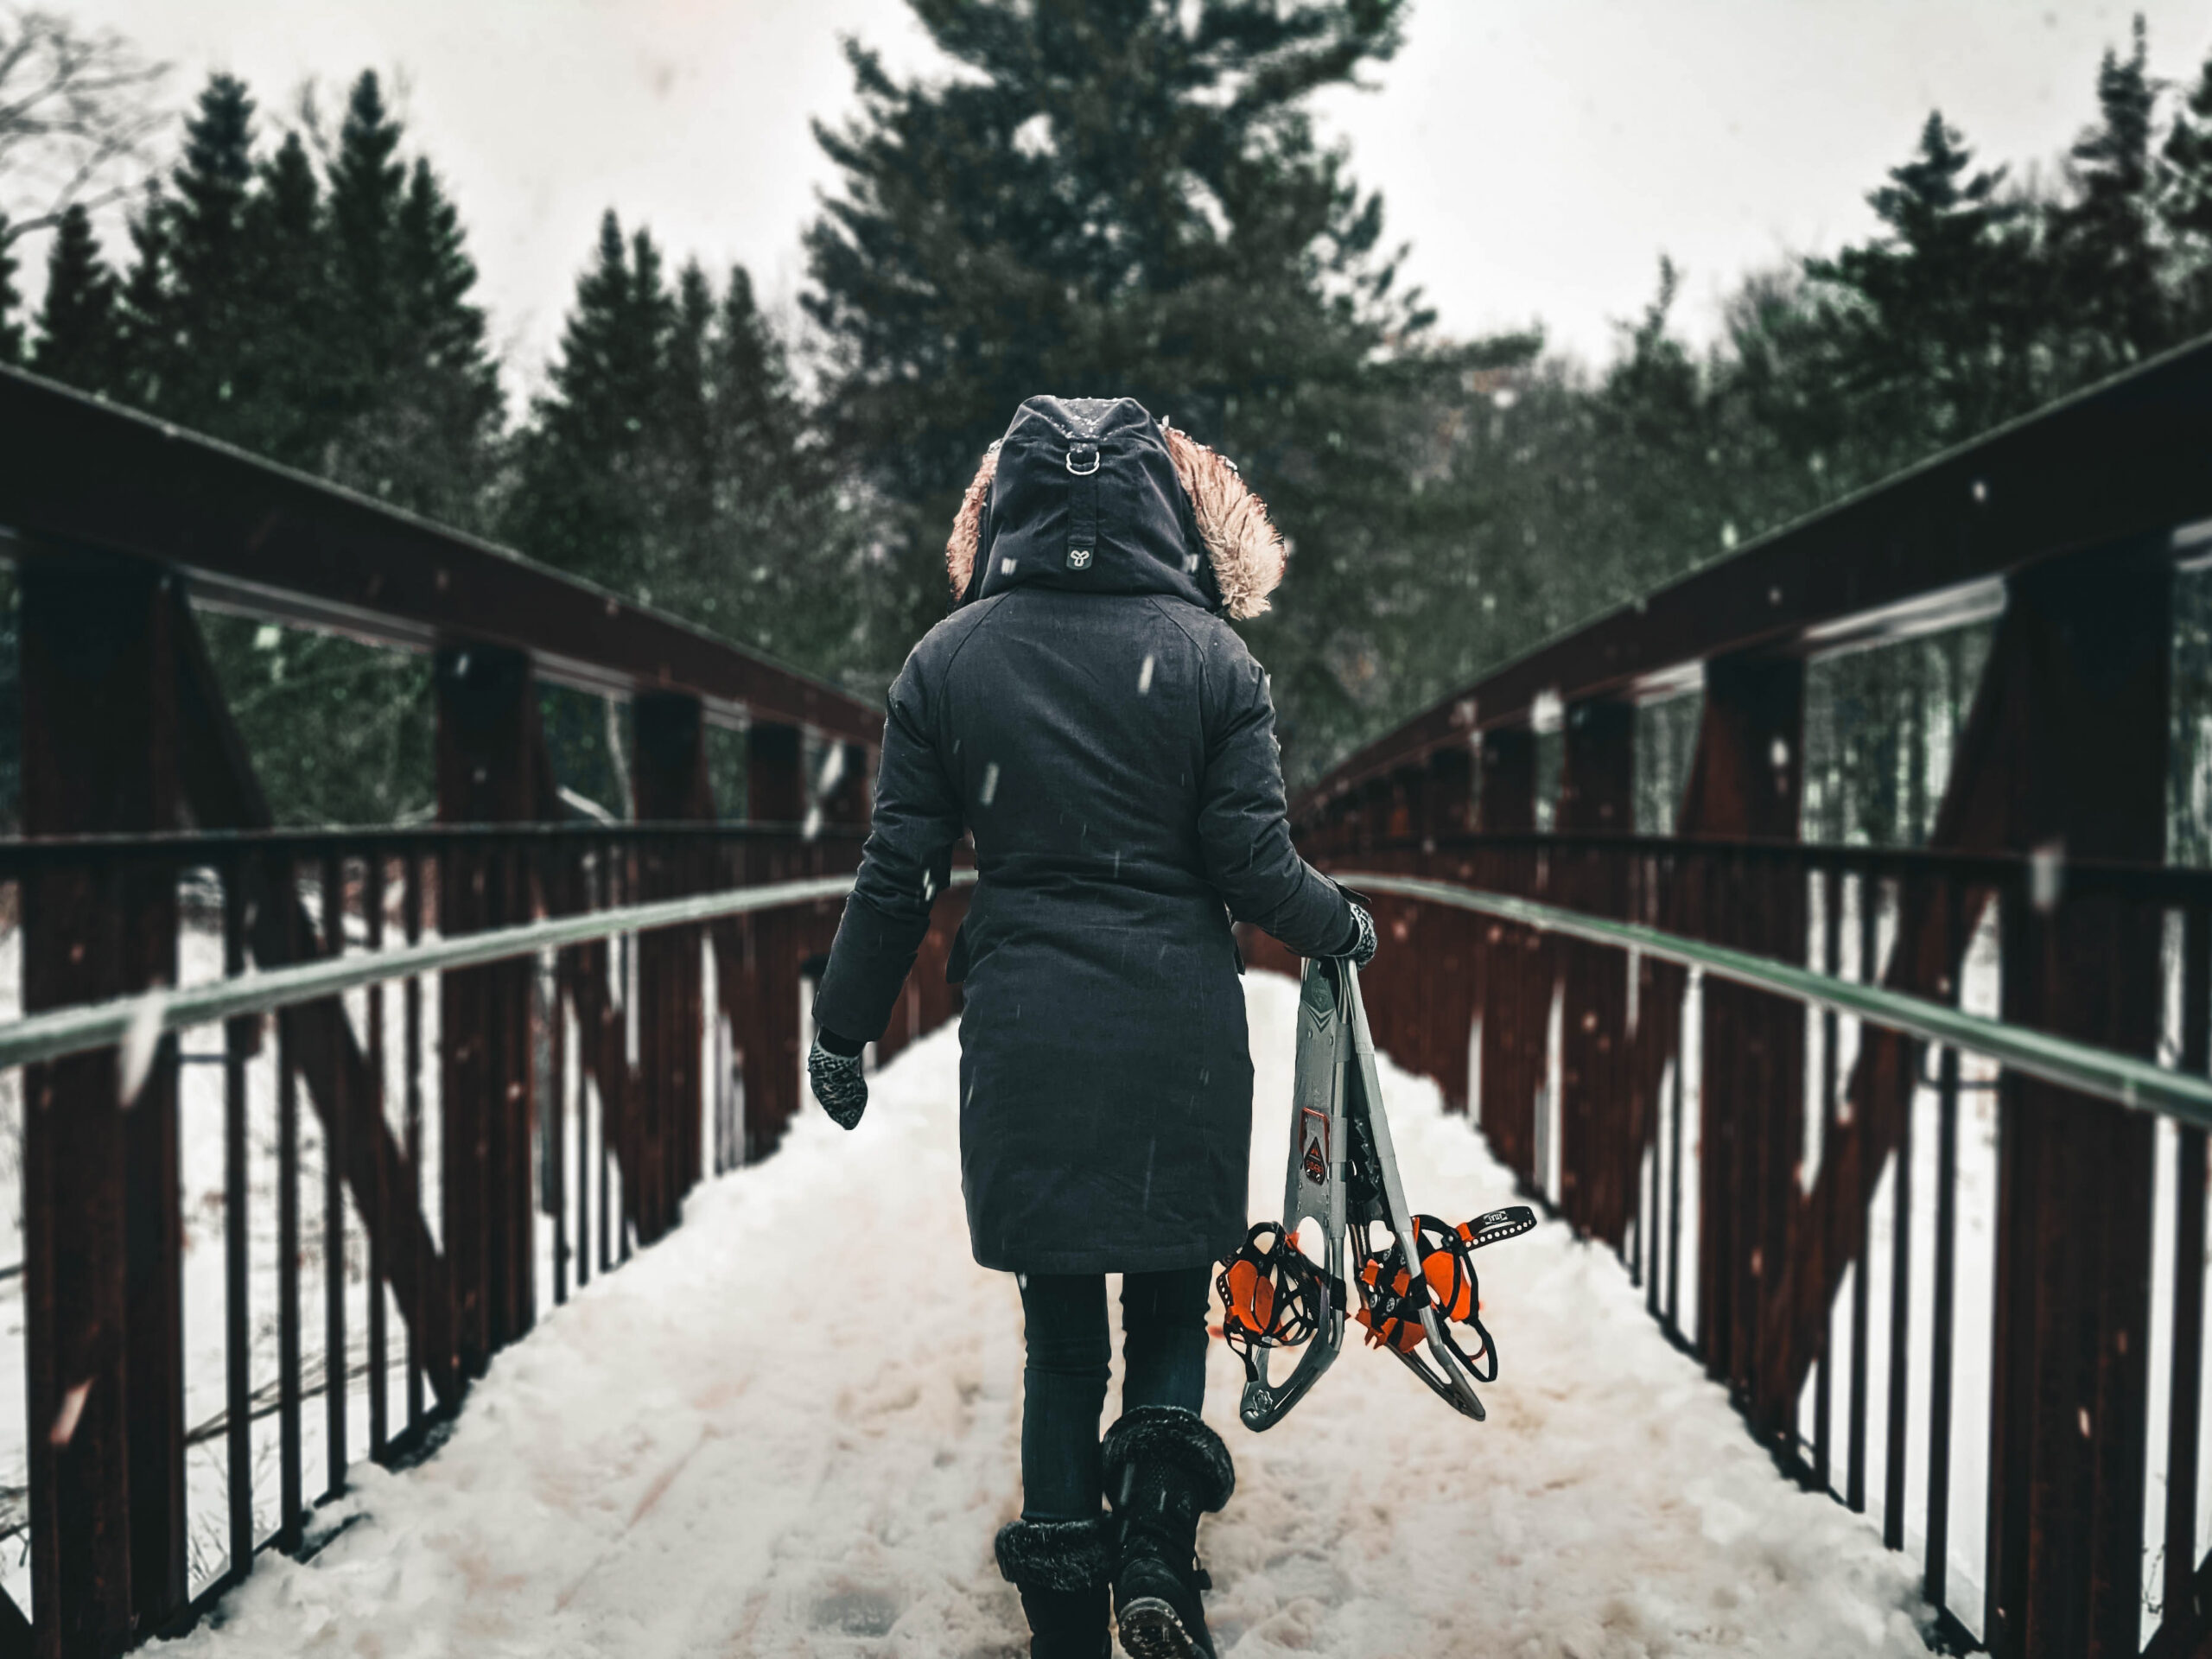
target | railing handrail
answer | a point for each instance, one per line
(2132, 1081)
(2174, 884)
(87, 1028)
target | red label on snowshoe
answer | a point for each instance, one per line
(1315, 1136)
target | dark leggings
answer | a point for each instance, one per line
(1064, 1384)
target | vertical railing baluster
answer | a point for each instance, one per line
(1674, 1195)
(1832, 965)
(336, 1120)
(556, 1109)
(1955, 947)
(1650, 1199)
(372, 877)
(2183, 1618)
(575, 964)
(287, 1274)
(607, 957)
(238, 1330)
(411, 923)
(1908, 1060)
(633, 1116)
(1861, 1292)
(1635, 1264)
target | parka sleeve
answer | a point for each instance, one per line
(1244, 825)
(904, 864)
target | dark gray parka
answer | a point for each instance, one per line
(1108, 741)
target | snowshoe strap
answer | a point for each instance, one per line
(1496, 1226)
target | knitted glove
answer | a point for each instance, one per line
(1362, 949)
(838, 1084)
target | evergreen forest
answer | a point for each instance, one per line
(1106, 197)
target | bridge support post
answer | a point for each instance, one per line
(1397, 977)
(670, 784)
(102, 1291)
(850, 803)
(1515, 968)
(1597, 1155)
(1449, 1007)
(2082, 667)
(486, 745)
(775, 792)
(1746, 783)
(1374, 804)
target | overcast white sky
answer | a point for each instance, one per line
(1538, 154)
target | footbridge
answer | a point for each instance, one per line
(424, 1249)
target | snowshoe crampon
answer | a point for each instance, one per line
(1344, 1175)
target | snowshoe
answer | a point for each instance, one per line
(1344, 1176)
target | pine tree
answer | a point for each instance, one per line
(783, 570)
(367, 183)
(1922, 334)
(414, 396)
(759, 405)
(427, 435)
(683, 436)
(441, 325)
(669, 459)
(1127, 196)
(287, 281)
(579, 503)
(2184, 193)
(207, 347)
(2105, 241)
(142, 314)
(77, 340)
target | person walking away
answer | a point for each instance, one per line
(1089, 717)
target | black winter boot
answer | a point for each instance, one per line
(1061, 1568)
(1164, 1468)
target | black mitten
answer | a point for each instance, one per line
(1363, 947)
(839, 1083)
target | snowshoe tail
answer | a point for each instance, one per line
(1443, 1367)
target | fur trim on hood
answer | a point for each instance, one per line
(968, 525)
(1242, 543)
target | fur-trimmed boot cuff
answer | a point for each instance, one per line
(1054, 1554)
(1177, 1438)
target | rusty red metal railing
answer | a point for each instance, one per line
(431, 1159)
(1780, 1186)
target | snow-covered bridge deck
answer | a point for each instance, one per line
(791, 1428)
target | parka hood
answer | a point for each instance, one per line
(1092, 494)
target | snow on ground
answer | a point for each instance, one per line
(790, 1429)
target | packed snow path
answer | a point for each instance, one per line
(791, 1428)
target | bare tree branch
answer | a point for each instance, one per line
(79, 110)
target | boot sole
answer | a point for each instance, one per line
(1151, 1630)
